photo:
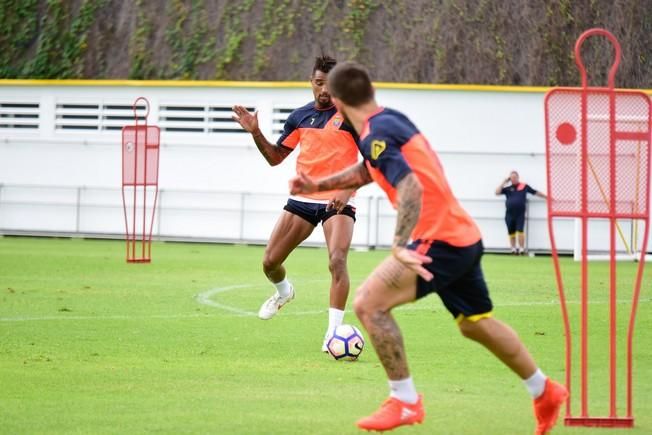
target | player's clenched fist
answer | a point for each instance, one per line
(302, 184)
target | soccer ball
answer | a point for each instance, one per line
(346, 343)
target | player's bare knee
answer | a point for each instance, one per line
(337, 263)
(366, 307)
(363, 305)
(358, 304)
(470, 330)
(269, 263)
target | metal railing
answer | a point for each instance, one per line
(211, 216)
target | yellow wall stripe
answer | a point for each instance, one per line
(268, 85)
(472, 88)
(154, 83)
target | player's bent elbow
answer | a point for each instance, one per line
(276, 158)
(274, 161)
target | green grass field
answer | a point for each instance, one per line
(92, 345)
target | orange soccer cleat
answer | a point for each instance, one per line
(393, 413)
(546, 406)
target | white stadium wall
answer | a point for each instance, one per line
(60, 158)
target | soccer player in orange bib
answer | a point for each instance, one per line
(443, 256)
(326, 145)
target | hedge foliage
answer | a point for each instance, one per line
(439, 41)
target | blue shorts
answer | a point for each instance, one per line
(458, 280)
(515, 222)
(314, 212)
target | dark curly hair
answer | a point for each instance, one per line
(323, 63)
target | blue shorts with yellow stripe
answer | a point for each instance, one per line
(458, 280)
(515, 221)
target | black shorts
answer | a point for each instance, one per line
(515, 221)
(314, 212)
(458, 280)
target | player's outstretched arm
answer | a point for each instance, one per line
(541, 194)
(274, 154)
(409, 193)
(350, 178)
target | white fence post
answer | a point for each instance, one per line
(78, 210)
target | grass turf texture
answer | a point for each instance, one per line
(90, 344)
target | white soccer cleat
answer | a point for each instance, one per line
(274, 304)
(324, 346)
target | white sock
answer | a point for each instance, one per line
(283, 288)
(404, 390)
(535, 384)
(335, 318)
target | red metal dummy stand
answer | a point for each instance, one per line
(598, 167)
(140, 161)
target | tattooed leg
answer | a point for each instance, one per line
(390, 285)
(388, 342)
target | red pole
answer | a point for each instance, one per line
(584, 266)
(639, 280)
(124, 200)
(584, 323)
(585, 215)
(133, 241)
(564, 310)
(632, 316)
(144, 256)
(144, 193)
(555, 262)
(612, 252)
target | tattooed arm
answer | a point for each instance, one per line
(274, 154)
(409, 192)
(350, 178)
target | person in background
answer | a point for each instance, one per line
(516, 198)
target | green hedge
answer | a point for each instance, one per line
(441, 41)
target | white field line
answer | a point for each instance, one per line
(206, 298)
(100, 317)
